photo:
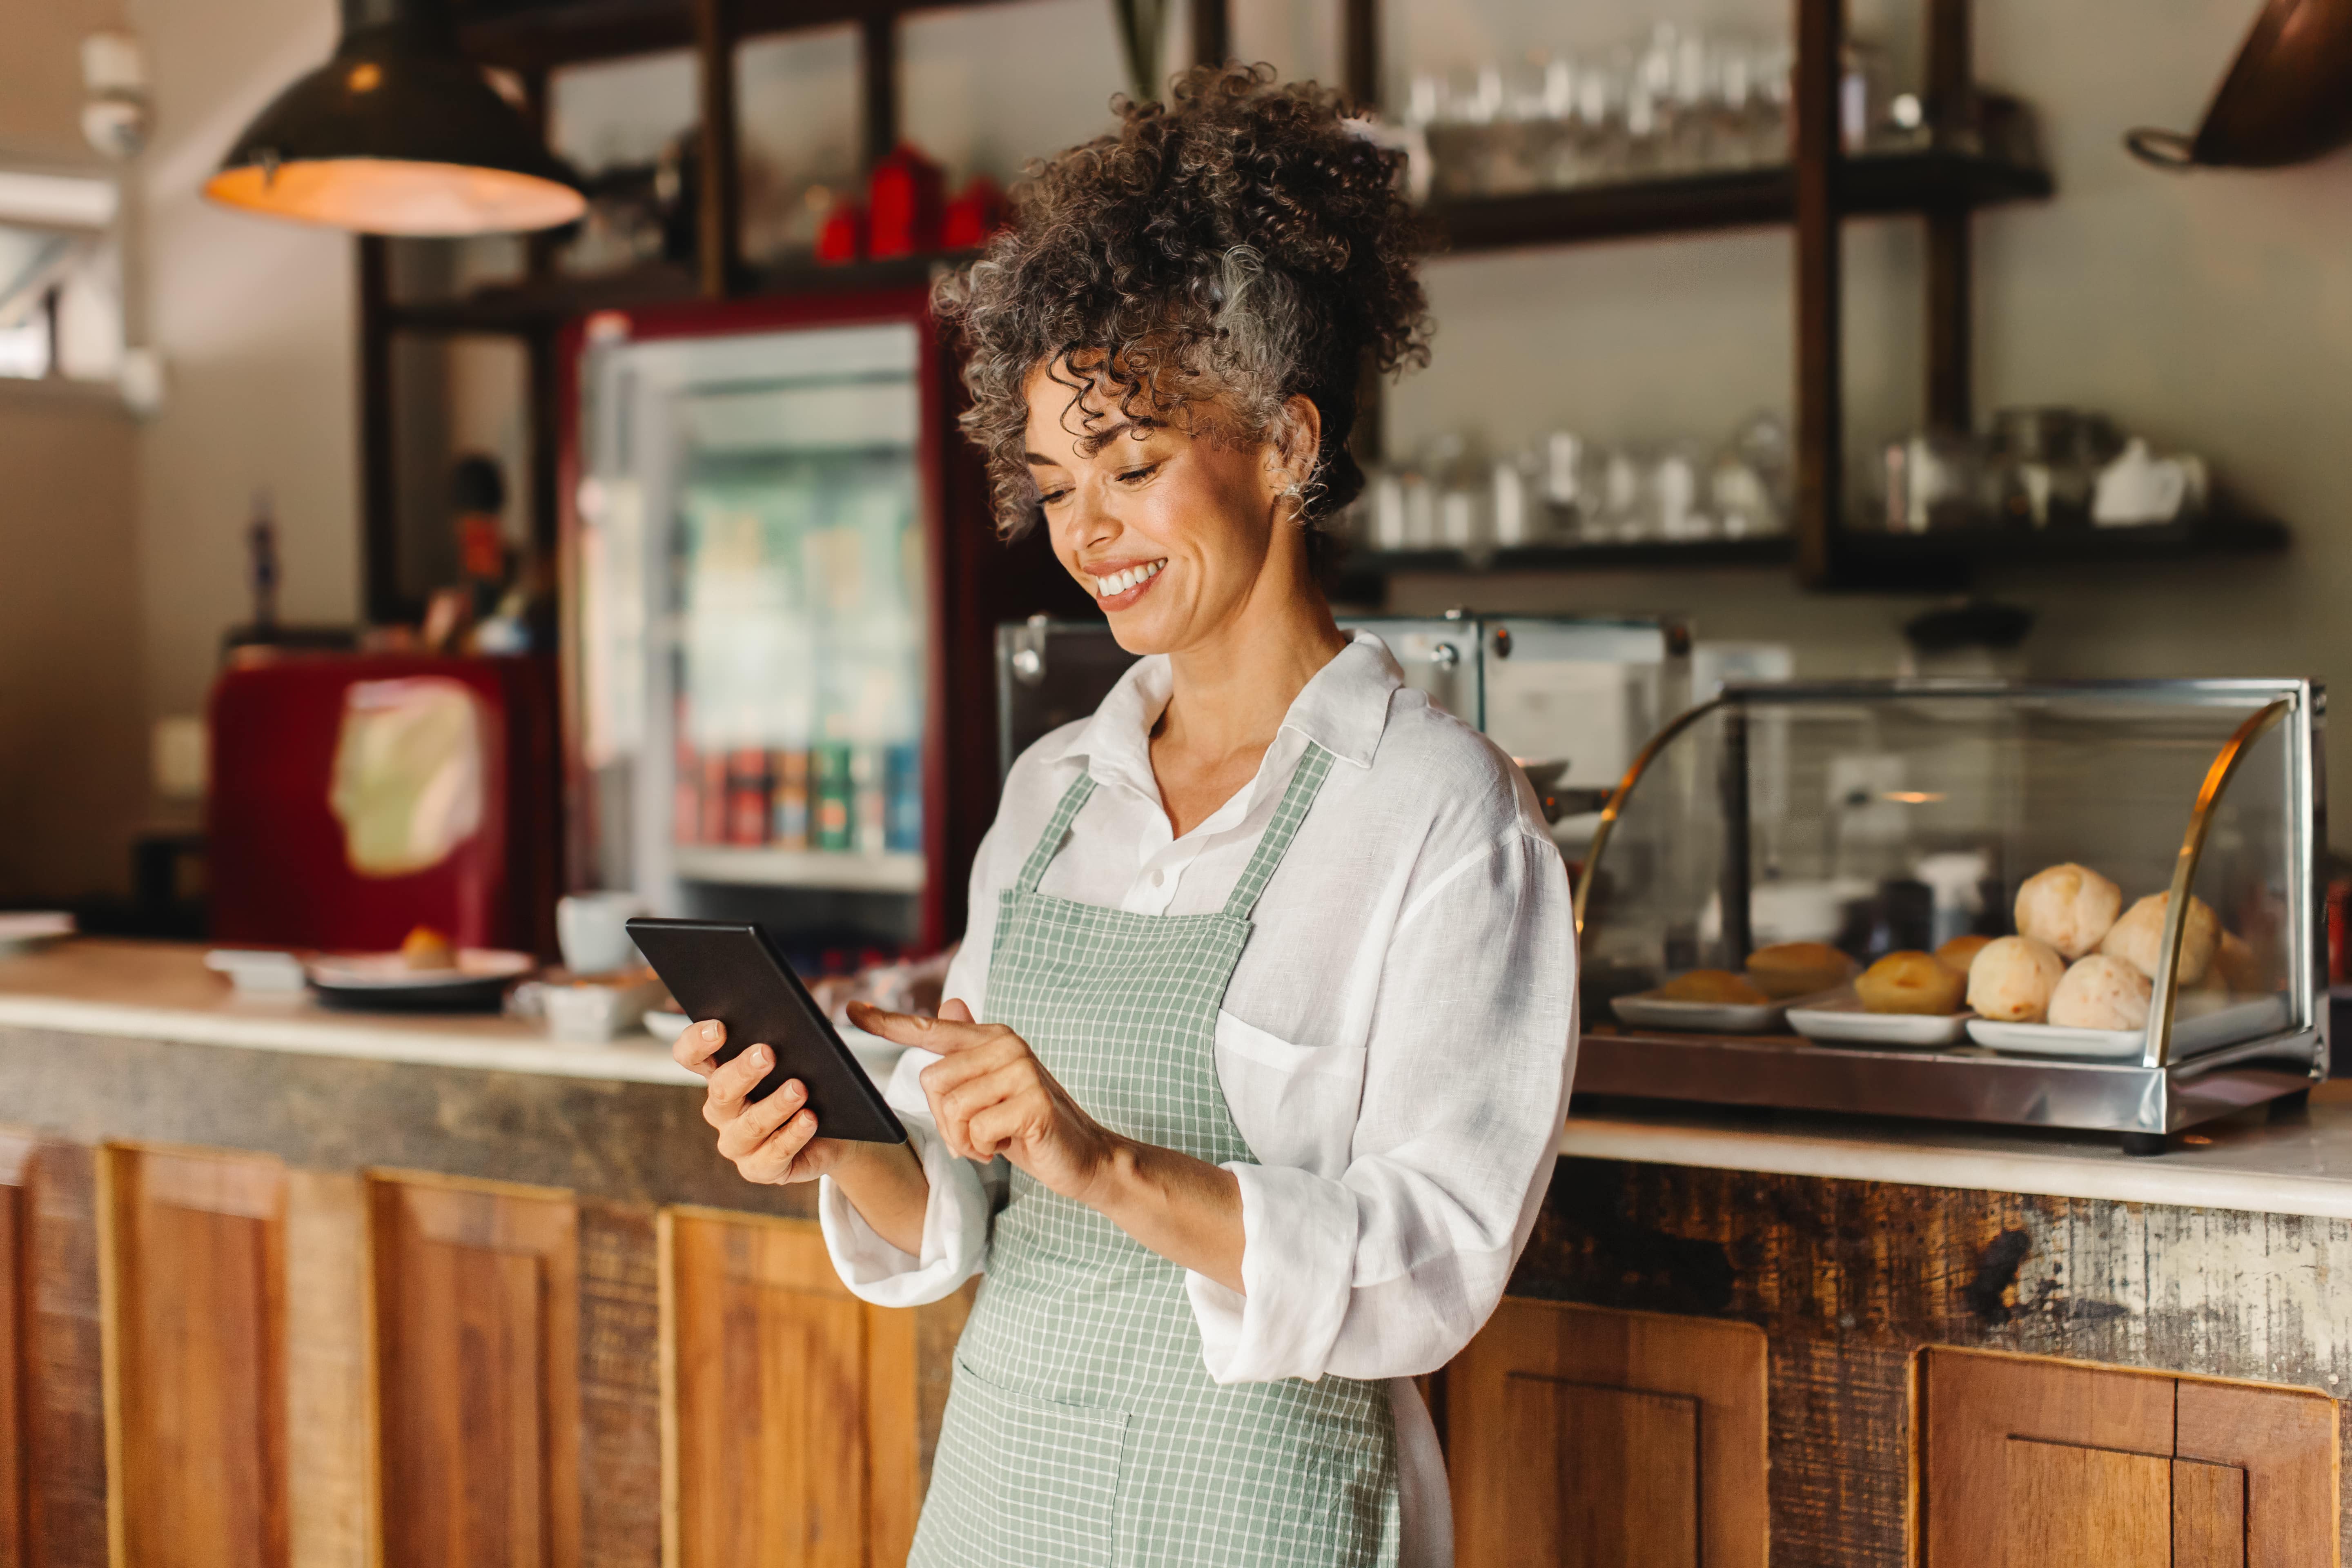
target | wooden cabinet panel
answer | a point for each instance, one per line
(1607, 1478)
(15, 1358)
(477, 1386)
(793, 1403)
(2208, 1515)
(53, 1514)
(2024, 1462)
(2284, 1442)
(196, 1266)
(2065, 1503)
(1590, 1439)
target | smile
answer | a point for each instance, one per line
(1125, 585)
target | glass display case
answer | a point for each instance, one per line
(2170, 968)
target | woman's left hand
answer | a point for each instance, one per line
(990, 1095)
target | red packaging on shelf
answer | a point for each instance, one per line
(977, 212)
(904, 199)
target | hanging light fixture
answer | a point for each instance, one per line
(398, 134)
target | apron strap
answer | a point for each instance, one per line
(1049, 843)
(1275, 842)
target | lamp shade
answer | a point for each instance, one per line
(398, 134)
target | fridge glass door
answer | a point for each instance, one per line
(754, 613)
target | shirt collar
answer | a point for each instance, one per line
(1343, 709)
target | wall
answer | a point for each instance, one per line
(255, 320)
(2214, 311)
(72, 749)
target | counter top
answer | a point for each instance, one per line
(161, 990)
(2298, 1166)
(2303, 1165)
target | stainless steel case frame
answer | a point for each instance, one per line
(2147, 1100)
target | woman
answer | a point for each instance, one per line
(1245, 1095)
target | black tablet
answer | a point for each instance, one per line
(730, 971)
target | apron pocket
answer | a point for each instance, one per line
(1022, 1481)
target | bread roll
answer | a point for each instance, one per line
(2013, 978)
(2138, 937)
(2069, 906)
(1960, 952)
(1910, 982)
(1719, 986)
(1789, 968)
(2102, 991)
(2238, 968)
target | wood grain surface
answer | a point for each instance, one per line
(476, 1310)
(1612, 1439)
(1850, 1279)
(16, 1369)
(61, 1391)
(197, 1312)
(620, 1387)
(771, 1397)
(329, 1449)
(2208, 1515)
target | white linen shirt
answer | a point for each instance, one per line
(1395, 1045)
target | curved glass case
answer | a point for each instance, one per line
(1884, 817)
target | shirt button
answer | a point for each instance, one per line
(1157, 878)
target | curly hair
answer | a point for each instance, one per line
(1220, 254)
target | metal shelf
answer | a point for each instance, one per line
(841, 870)
(1864, 185)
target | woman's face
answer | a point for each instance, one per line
(1175, 534)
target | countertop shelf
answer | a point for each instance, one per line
(1770, 549)
(2194, 538)
(843, 870)
(1877, 558)
(1868, 185)
(526, 306)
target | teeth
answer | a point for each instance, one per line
(1121, 582)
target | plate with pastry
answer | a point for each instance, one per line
(1704, 1002)
(1907, 998)
(426, 974)
(1787, 970)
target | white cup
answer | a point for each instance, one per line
(592, 929)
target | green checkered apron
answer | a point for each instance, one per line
(1082, 1430)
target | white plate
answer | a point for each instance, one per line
(2052, 1040)
(1648, 1010)
(666, 1026)
(390, 971)
(1840, 1018)
(2203, 1024)
(22, 931)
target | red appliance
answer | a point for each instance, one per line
(282, 854)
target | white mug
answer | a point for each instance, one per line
(590, 928)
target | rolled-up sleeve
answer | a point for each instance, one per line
(1387, 1266)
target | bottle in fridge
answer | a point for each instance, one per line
(756, 640)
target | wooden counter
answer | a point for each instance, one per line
(283, 1285)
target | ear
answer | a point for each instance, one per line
(1294, 443)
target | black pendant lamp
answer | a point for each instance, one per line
(399, 133)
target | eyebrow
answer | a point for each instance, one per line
(1096, 440)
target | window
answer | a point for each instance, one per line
(61, 277)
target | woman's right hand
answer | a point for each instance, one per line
(773, 1141)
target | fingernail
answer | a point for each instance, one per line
(761, 1055)
(710, 1031)
(795, 1091)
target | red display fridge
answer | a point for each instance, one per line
(779, 586)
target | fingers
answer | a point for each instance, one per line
(942, 1035)
(955, 1108)
(954, 1011)
(744, 1133)
(694, 1047)
(781, 1159)
(729, 1084)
